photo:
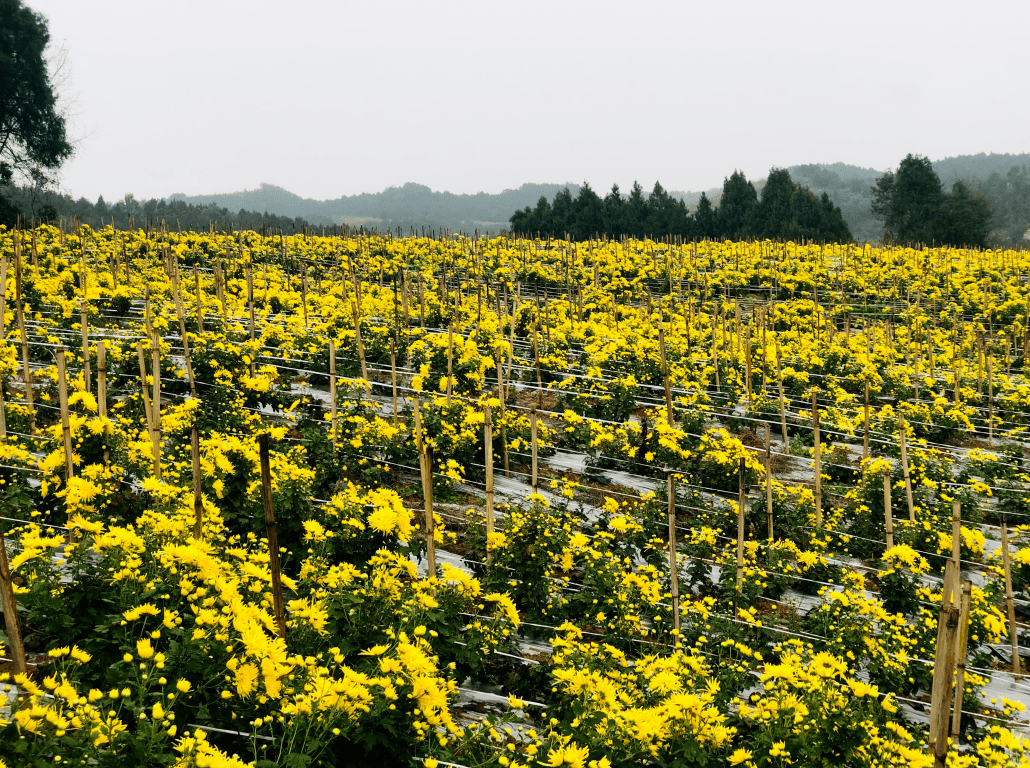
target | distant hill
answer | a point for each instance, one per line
(1002, 178)
(412, 205)
(977, 167)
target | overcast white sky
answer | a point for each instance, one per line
(334, 98)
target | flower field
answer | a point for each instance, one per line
(530, 503)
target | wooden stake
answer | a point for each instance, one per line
(768, 479)
(450, 360)
(674, 581)
(904, 469)
(1010, 604)
(488, 461)
(332, 388)
(200, 305)
(865, 428)
(273, 539)
(155, 351)
(393, 379)
(783, 407)
(742, 500)
(665, 372)
(533, 444)
(250, 311)
(26, 370)
(956, 533)
(818, 463)
(888, 515)
(426, 469)
(504, 426)
(960, 658)
(198, 501)
(62, 391)
(943, 668)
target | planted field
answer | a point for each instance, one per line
(477, 460)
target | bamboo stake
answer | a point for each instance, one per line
(904, 469)
(818, 463)
(273, 539)
(66, 430)
(768, 479)
(488, 460)
(960, 657)
(888, 515)
(1010, 604)
(674, 581)
(198, 501)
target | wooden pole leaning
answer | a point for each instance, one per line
(66, 431)
(10, 607)
(273, 539)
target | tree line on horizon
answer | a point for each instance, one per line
(785, 211)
